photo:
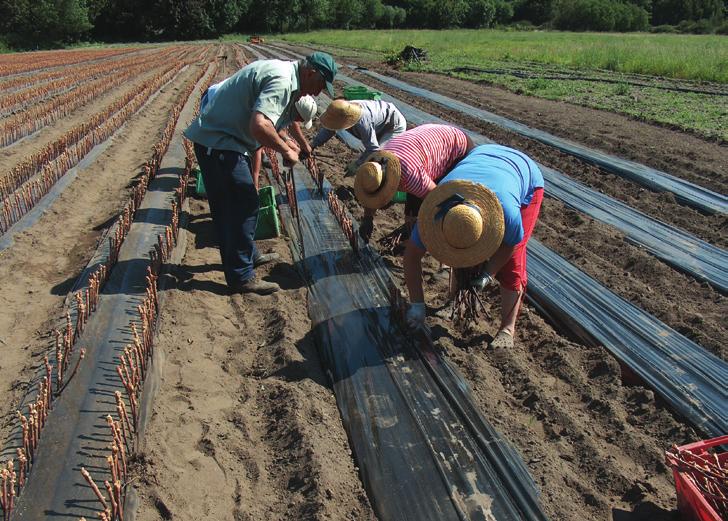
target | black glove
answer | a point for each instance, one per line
(366, 227)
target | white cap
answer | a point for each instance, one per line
(306, 107)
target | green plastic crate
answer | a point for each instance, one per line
(268, 225)
(400, 197)
(267, 196)
(359, 92)
(200, 185)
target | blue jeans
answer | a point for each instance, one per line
(234, 207)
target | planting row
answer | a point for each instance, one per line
(29, 121)
(83, 304)
(33, 61)
(38, 91)
(21, 81)
(45, 167)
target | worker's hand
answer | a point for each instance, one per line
(484, 281)
(292, 143)
(290, 157)
(366, 227)
(351, 169)
(415, 316)
(306, 151)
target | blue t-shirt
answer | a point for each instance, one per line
(510, 174)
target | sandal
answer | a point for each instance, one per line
(502, 340)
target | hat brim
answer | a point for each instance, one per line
(433, 236)
(308, 124)
(333, 121)
(392, 176)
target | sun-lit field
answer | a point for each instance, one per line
(661, 78)
(138, 381)
(691, 57)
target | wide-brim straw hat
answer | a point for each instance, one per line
(461, 223)
(340, 115)
(377, 180)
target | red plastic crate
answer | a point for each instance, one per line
(690, 500)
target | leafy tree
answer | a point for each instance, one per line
(400, 16)
(40, 23)
(447, 13)
(347, 13)
(584, 15)
(226, 13)
(503, 11)
(124, 20)
(630, 17)
(674, 11)
(535, 11)
(314, 13)
(481, 13)
(372, 13)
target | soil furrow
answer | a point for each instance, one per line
(43, 263)
(244, 406)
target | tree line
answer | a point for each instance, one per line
(43, 23)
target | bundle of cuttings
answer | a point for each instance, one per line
(467, 306)
(707, 471)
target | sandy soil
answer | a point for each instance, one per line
(593, 444)
(43, 263)
(244, 425)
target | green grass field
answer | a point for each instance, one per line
(690, 57)
(532, 62)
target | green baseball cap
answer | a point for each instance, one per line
(325, 64)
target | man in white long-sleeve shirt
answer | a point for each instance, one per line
(372, 122)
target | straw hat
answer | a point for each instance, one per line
(377, 180)
(461, 223)
(340, 115)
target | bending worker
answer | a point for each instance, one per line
(482, 213)
(372, 122)
(305, 112)
(412, 162)
(246, 112)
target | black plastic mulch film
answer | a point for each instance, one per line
(424, 451)
(687, 376)
(688, 193)
(76, 434)
(673, 246)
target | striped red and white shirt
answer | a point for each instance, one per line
(426, 153)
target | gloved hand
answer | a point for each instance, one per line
(483, 281)
(415, 316)
(366, 227)
(351, 169)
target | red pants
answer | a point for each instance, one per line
(513, 275)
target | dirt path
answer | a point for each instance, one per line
(244, 425)
(43, 263)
